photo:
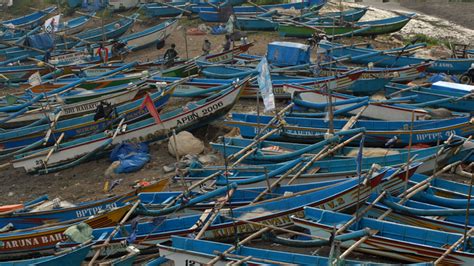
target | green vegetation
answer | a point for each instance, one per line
(431, 41)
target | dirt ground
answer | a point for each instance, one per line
(85, 182)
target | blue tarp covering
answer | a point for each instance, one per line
(132, 156)
(443, 77)
(42, 41)
(288, 53)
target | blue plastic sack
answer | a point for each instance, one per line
(217, 30)
(132, 157)
(443, 77)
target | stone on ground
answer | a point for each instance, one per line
(187, 144)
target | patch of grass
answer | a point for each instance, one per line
(431, 41)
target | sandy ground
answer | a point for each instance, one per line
(86, 181)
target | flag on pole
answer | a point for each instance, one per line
(148, 103)
(35, 79)
(359, 156)
(52, 24)
(265, 85)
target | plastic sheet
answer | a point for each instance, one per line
(132, 157)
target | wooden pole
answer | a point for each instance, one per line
(243, 242)
(411, 192)
(452, 247)
(116, 229)
(323, 155)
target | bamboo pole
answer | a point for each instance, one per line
(116, 229)
(215, 212)
(411, 192)
(53, 149)
(269, 189)
(452, 247)
(323, 155)
(243, 242)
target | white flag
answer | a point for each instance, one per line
(35, 79)
(265, 85)
(52, 24)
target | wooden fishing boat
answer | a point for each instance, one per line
(351, 15)
(20, 73)
(149, 36)
(20, 140)
(268, 152)
(190, 116)
(395, 58)
(274, 212)
(109, 31)
(190, 67)
(176, 8)
(26, 219)
(330, 168)
(402, 74)
(263, 22)
(31, 20)
(24, 243)
(378, 133)
(216, 16)
(402, 242)
(240, 196)
(314, 100)
(426, 96)
(375, 27)
(341, 81)
(168, 10)
(72, 256)
(105, 81)
(183, 250)
(123, 94)
(75, 25)
(451, 223)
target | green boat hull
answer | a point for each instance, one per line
(289, 30)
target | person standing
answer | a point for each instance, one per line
(206, 47)
(170, 55)
(227, 43)
(103, 53)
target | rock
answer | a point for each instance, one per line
(10, 194)
(168, 168)
(187, 144)
(234, 132)
(208, 159)
(397, 36)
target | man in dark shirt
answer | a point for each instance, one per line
(226, 45)
(170, 55)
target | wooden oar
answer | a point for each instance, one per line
(112, 234)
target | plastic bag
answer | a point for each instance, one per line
(132, 157)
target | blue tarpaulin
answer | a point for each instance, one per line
(288, 53)
(42, 41)
(132, 156)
